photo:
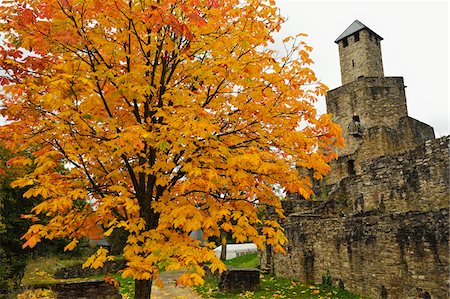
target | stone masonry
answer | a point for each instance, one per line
(359, 53)
(392, 255)
(378, 223)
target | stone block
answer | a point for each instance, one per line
(239, 280)
(87, 289)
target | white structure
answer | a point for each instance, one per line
(235, 250)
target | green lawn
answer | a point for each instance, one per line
(272, 287)
(244, 261)
(277, 287)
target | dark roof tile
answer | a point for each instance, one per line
(355, 27)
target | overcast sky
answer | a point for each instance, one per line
(415, 46)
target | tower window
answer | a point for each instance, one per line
(345, 42)
(356, 118)
(356, 36)
(353, 63)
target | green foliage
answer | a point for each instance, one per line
(126, 286)
(244, 261)
(327, 280)
(12, 227)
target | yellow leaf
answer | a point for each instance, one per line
(71, 245)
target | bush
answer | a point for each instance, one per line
(327, 280)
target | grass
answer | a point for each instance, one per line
(276, 287)
(41, 271)
(271, 287)
(244, 261)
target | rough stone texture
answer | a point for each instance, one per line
(416, 180)
(380, 141)
(239, 280)
(401, 254)
(376, 100)
(89, 289)
(379, 221)
(77, 270)
(384, 125)
(360, 58)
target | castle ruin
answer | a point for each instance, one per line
(378, 223)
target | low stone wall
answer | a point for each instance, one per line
(402, 255)
(78, 271)
(92, 289)
(87, 289)
(239, 280)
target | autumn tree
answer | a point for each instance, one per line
(170, 116)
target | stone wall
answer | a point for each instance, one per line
(416, 180)
(380, 141)
(237, 279)
(399, 255)
(379, 107)
(381, 231)
(377, 101)
(92, 289)
(360, 58)
(86, 289)
(76, 271)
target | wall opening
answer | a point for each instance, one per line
(353, 63)
(345, 42)
(426, 295)
(356, 36)
(308, 265)
(383, 293)
(356, 118)
(351, 167)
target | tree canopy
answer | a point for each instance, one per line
(159, 118)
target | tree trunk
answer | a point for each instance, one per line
(142, 289)
(223, 252)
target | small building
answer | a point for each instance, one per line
(235, 250)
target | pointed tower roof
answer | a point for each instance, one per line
(355, 27)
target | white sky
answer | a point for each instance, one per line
(415, 46)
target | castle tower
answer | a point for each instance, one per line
(370, 108)
(359, 53)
